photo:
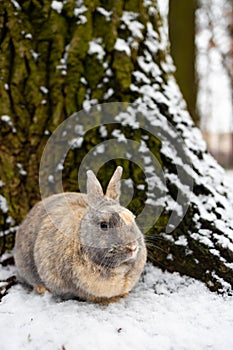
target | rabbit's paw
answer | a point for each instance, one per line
(40, 289)
(106, 301)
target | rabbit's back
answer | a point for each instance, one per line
(44, 232)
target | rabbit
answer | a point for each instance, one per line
(83, 246)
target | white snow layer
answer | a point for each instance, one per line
(164, 311)
(96, 48)
(3, 204)
(57, 6)
(121, 45)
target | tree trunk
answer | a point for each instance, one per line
(60, 57)
(182, 31)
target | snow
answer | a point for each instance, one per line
(164, 311)
(28, 36)
(135, 27)
(83, 81)
(21, 170)
(163, 7)
(6, 119)
(79, 10)
(57, 6)
(108, 94)
(119, 136)
(105, 13)
(16, 5)
(122, 45)
(3, 204)
(182, 240)
(96, 48)
(44, 90)
(205, 240)
(34, 54)
(103, 131)
(87, 104)
(149, 67)
(63, 66)
(141, 77)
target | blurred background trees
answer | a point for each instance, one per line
(202, 49)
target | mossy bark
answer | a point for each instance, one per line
(47, 72)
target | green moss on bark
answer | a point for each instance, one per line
(123, 68)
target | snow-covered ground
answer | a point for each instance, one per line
(164, 311)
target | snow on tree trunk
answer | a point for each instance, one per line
(58, 57)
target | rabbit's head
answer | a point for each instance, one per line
(108, 232)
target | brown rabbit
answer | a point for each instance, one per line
(81, 245)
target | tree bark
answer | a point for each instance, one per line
(182, 31)
(57, 57)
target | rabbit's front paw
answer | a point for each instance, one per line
(40, 289)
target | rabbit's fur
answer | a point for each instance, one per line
(81, 245)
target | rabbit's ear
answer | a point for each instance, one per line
(114, 186)
(94, 189)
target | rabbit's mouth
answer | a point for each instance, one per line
(113, 257)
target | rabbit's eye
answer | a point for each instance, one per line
(104, 225)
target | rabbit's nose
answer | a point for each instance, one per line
(132, 248)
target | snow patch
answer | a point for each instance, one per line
(21, 170)
(57, 6)
(119, 136)
(44, 90)
(105, 13)
(63, 66)
(16, 4)
(100, 149)
(135, 27)
(3, 204)
(103, 131)
(78, 11)
(28, 36)
(76, 142)
(122, 45)
(141, 77)
(182, 241)
(87, 104)
(34, 54)
(108, 93)
(204, 240)
(164, 311)
(96, 48)
(7, 119)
